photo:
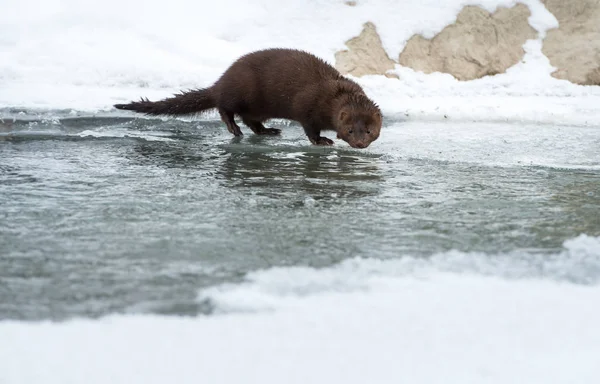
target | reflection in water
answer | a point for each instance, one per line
(318, 174)
(268, 169)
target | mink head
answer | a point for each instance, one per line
(358, 122)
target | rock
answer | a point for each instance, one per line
(574, 47)
(365, 55)
(478, 44)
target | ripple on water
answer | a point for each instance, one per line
(102, 215)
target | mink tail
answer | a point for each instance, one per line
(184, 103)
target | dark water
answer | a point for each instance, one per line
(101, 215)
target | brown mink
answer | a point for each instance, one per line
(280, 83)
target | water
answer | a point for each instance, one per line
(113, 214)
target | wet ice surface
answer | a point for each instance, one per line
(105, 215)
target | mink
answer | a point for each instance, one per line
(280, 83)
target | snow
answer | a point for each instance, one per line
(88, 55)
(453, 318)
(456, 318)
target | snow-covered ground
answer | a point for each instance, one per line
(88, 55)
(457, 318)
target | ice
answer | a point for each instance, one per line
(492, 144)
(114, 133)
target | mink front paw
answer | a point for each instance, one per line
(321, 141)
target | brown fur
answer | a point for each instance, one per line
(281, 83)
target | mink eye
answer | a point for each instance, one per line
(350, 131)
(368, 131)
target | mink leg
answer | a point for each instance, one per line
(314, 135)
(227, 118)
(258, 128)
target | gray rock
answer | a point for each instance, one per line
(365, 55)
(574, 47)
(478, 44)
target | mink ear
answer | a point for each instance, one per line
(377, 115)
(343, 115)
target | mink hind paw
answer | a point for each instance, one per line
(235, 130)
(321, 141)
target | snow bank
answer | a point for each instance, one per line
(449, 319)
(85, 55)
(455, 318)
